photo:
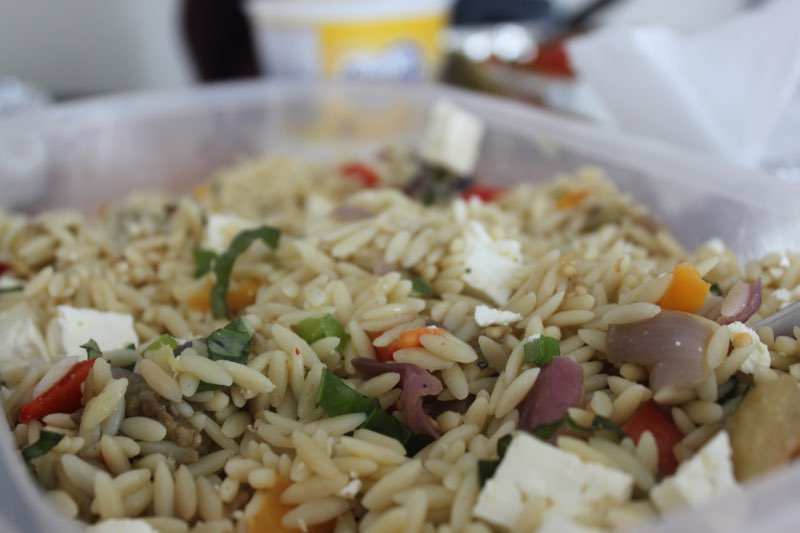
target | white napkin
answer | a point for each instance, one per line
(720, 90)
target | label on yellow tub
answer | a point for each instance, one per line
(397, 49)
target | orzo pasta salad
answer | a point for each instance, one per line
(381, 346)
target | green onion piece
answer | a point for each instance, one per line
(47, 441)
(92, 349)
(163, 340)
(231, 343)
(313, 329)
(223, 266)
(541, 351)
(14, 288)
(203, 261)
(204, 386)
(715, 289)
(336, 398)
(421, 287)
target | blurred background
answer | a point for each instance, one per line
(686, 71)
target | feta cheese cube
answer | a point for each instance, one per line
(221, 229)
(72, 327)
(486, 316)
(534, 469)
(121, 525)
(490, 264)
(21, 339)
(759, 357)
(703, 477)
(452, 138)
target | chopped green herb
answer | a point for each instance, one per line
(47, 441)
(336, 398)
(545, 431)
(487, 468)
(231, 343)
(203, 261)
(223, 265)
(206, 387)
(382, 422)
(421, 287)
(313, 329)
(92, 349)
(163, 340)
(715, 289)
(129, 367)
(599, 425)
(130, 346)
(541, 350)
(14, 288)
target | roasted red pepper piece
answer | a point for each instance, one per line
(3, 268)
(487, 193)
(63, 397)
(362, 173)
(651, 418)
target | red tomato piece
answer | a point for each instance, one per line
(487, 193)
(651, 418)
(362, 173)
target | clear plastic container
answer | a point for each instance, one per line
(86, 154)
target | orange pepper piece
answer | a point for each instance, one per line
(240, 296)
(687, 291)
(571, 199)
(407, 339)
(270, 515)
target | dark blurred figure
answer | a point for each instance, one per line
(219, 39)
(467, 12)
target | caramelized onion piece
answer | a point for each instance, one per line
(415, 383)
(671, 345)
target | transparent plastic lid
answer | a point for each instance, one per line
(86, 154)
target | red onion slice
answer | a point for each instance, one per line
(346, 213)
(415, 383)
(558, 387)
(741, 302)
(671, 345)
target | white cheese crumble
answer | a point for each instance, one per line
(487, 316)
(221, 229)
(570, 487)
(72, 327)
(759, 357)
(703, 477)
(490, 264)
(21, 339)
(452, 138)
(350, 490)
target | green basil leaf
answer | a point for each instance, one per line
(163, 340)
(204, 386)
(336, 398)
(486, 469)
(223, 266)
(231, 343)
(420, 287)
(541, 350)
(92, 349)
(416, 442)
(382, 422)
(545, 431)
(715, 289)
(47, 441)
(203, 261)
(313, 329)
(14, 288)
(600, 423)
